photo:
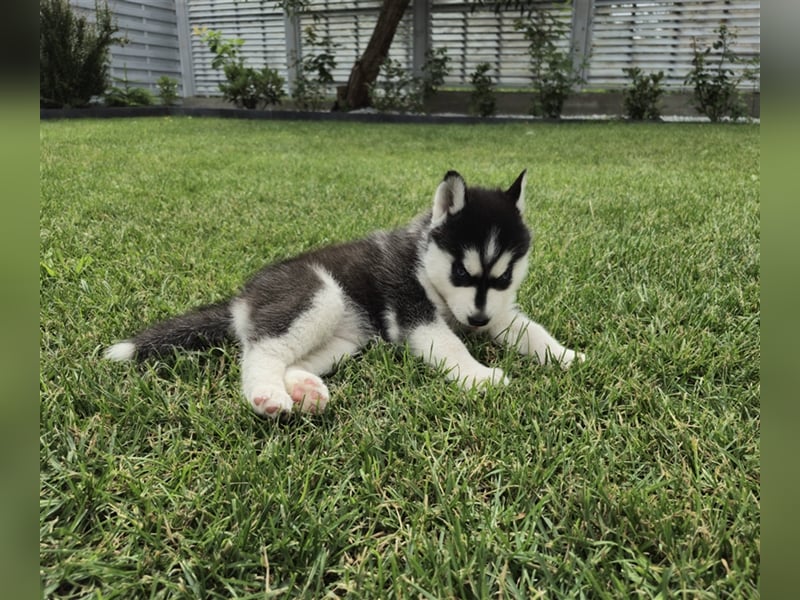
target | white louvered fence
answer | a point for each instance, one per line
(657, 35)
(153, 48)
(605, 38)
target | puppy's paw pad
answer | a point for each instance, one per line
(269, 402)
(308, 392)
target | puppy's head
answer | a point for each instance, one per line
(477, 255)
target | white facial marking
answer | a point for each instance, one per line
(437, 267)
(501, 266)
(492, 248)
(459, 301)
(472, 262)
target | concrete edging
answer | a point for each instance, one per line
(445, 107)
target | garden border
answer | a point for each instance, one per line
(51, 114)
(445, 107)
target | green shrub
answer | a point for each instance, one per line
(553, 73)
(167, 90)
(395, 89)
(73, 53)
(642, 98)
(314, 80)
(127, 95)
(249, 88)
(434, 70)
(244, 86)
(715, 83)
(482, 99)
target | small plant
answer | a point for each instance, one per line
(395, 89)
(641, 100)
(482, 99)
(167, 90)
(244, 86)
(73, 53)
(434, 70)
(127, 95)
(553, 73)
(315, 75)
(715, 83)
(249, 88)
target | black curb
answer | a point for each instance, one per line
(286, 115)
(47, 114)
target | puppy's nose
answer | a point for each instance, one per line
(478, 320)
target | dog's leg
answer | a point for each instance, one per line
(437, 344)
(529, 337)
(302, 378)
(267, 382)
(263, 367)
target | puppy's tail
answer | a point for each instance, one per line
(204, 327)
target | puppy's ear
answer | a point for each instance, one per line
(516, 193)
(449, 197)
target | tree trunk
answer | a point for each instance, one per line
(355, 94)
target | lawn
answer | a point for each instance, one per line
(635, 474)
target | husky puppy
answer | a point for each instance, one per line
(458, 266)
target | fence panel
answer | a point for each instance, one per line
(350, 24)
(151, 28)
(654, 35)
(258, 22)
(657, 36)
(474, 36)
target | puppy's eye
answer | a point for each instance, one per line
(460, 274)
(504, 280)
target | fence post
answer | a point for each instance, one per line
(422, 34)
(582, 16)
(185, 48)
(294, 47)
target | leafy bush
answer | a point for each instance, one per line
(716, 84)
(127, 95)
(249, 88)
(167, 90)
(482, 99)
(395, 89)
(434, 70)
(554, 75)
(642, 98)
(315, 75)
(245, 87)
(73, 53)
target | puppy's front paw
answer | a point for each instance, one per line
(269, 401)
(307, 391)
(570, 356)
(482, 377)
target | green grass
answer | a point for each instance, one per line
(634, 475)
